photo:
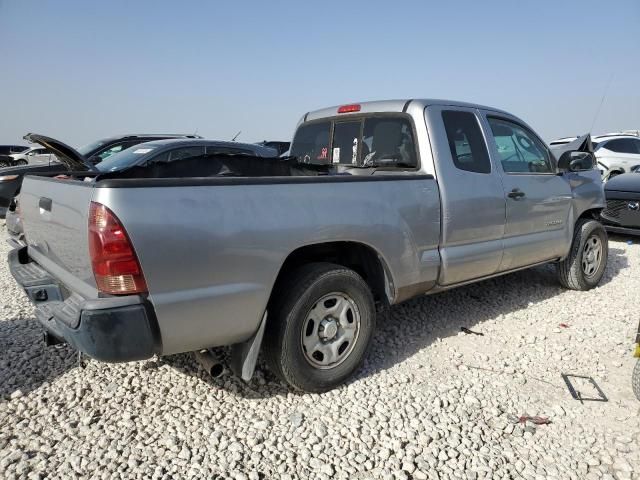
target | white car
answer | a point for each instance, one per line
(615, 153)
(34, 156)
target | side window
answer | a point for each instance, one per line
(388, 142)
(346, 137)
(110, 151)
(468, 148)
(185, 153)
(520, 150)
(311, 143)
(622, 145)
(213, 149)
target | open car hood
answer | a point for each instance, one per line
(580, 144)
(68, 156)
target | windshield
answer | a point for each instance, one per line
(124, 159)
(87, 149)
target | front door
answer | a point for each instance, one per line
(538, 200)
(472, 198)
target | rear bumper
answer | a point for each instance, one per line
(111, 329)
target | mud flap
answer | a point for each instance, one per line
(244, 356)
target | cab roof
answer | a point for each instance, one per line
(398, 105)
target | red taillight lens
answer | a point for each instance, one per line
(349, 108)
(115, 265)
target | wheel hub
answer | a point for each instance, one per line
(328, 328)
(592, 256)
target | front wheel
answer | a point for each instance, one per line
(22, 163)
(585, 265)
(319, 327)
(4, 163)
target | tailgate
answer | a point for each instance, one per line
(55, 221)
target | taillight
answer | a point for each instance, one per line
(354, 107)
(114, 262)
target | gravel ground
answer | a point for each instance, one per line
(430, 401)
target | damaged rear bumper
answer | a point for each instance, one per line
(110, 329)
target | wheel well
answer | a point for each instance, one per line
(359, 257)
(593, 214)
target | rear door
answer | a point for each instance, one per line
(538, 200)
(471, 192)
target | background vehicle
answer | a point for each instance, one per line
(619, 153)
(157, 158)
(622, 214)
(6, 151)
(34, 156)
(615, 153)
(280, 147)
(44, 161)
(386, 201)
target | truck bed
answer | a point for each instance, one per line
(211, 248)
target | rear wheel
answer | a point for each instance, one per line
(319, 327)
(585, 265)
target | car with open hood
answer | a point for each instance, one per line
(615, 153)
(44, 159)
(158, 158)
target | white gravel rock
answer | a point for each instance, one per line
(429, 401)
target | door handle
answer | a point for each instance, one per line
(515, 194)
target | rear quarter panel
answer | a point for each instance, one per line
(211, 254)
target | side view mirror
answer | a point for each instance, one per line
(576, 161)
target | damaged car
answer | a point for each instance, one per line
(177, 246)
(155, 159)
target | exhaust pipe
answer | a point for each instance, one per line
(50, 340)
(210, 362)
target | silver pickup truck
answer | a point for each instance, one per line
(378, 203)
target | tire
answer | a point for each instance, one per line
(21, 163)
(635, 380)
(300, 326)
(572, 272)
(4, 163)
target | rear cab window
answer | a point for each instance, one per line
(311, 143)
(373, 141)
(467, 145)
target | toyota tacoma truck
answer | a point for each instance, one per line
(379, 202)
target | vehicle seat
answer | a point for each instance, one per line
(387, 138)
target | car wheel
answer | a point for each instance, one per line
(585, 265)
(635, 380)
(4, 163)
(319, 327)
(22, 162)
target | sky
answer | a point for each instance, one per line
(80, 71)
